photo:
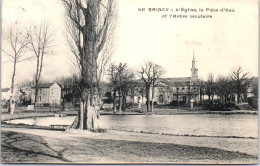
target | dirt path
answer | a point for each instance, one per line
(33, 145)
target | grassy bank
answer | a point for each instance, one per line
(31, 148)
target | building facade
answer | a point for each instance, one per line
(180, 89)
(48, 94)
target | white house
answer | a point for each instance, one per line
(48, 94)
(5, 93)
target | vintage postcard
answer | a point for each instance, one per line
(129, 82)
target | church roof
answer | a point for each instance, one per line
(179, 79)
(173, 81)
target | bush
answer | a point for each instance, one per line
(253, 102)
(154, 103)
(125, 107)
(175, 103)
(108, 101)
(45, 104)
(76, 104)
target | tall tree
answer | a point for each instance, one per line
(121, 82)
(202, 90)
(146, 75)
(112, 72)
(224, 88)
(90, 27)
(14, 49)
(240, 80)
(127, 86)
(150, 73)
(70, 88)
(117, 77)
(210, 88)
(41, 40)
(253, 100)
(177, 86)
(157, 72)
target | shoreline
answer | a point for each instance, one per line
(20, 114)
(195, 149)
(6, 117)
(183, 113)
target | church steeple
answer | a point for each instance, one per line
(193, 61)
(194, 70)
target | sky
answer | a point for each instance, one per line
(220, 43)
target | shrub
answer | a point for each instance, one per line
(253, 102)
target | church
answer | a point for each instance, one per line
(178, 89)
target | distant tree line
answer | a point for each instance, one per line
(221, 92)
(122, 82)
(230, 88)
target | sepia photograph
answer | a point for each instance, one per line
(129, 82)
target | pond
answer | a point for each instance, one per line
(235, 125)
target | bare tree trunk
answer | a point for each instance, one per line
(238, 97)
(11, 103)
(212, 100)
(148, 98)
(178, 100)
(142, 97)
(120, 101)
(133, 97)
(114, 100)
(152, 96)
(87, 118)
(124, 95)
(36, 95)
(36, 83)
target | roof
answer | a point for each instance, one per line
(44, 85)
(173, 81)
(179, 79)
(5, 89)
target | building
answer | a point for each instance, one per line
(182, 89)
(48, 94)
(167, 90)
(5, 95)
